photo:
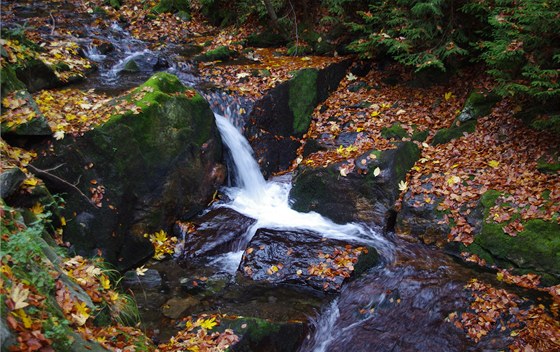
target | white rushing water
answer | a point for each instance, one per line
(268, 202)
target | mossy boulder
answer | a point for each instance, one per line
(138, 172)
(395, 131)
(303, 99)
(221, 53)
(37, 75)
(285, 113)
(361, 195)
(535, 249)
(477, 105)
(458, 130)
(9, 81)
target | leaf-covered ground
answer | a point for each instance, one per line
(502, 154)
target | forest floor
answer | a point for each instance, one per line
(502, 154)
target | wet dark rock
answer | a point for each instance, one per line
(360, 196)
(418, 219)
(404, 307)
(10, 180)
(285, 112)
(219, 231)
(150, 279)
(192, 285)
(288, 257)
(36, 75)
(146, 170)
(264, 335)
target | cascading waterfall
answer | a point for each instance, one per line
(268, 202)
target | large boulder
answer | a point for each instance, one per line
(535, 249)
(362, 195)
(285, 115)
(137, 173)
(304, 258)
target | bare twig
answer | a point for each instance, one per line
(59, 180)
(53, 24)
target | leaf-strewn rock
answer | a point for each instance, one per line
(138, 172)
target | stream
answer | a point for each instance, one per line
(401, 303)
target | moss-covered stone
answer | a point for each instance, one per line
(456, 131)
(9, 81)
(395, 131)
(548, 167)
(535, 249)
(155, 166)
(477, 105)
(221, 53)
(360, 196)
(131, 67)
(420, 136)
(303, 98)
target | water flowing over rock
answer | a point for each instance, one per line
(360, 196)
(304, 258)
(403, 307)
(285, 112)
(219, 231)
(137, 173)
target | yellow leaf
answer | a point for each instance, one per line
(19, 295)
(403, 186)
(493, 163)
(37, 209)
(376, 172)
(24, 318)
(453, 180)
(208, 324)
(374, 113)
(105, 282)
(274, 268)
(500, 276)
(448, 95)
(31, 182)
(63, 221)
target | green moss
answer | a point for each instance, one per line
(131, 66)
(302, 99)
(221, 53)
(395, 131)
(548, 167)
(447, 134)
(477, 105)
(535, 249)
(166, 125)
(420, 136)
(9, 81)
(406, 155)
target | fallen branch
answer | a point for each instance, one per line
(59, 180)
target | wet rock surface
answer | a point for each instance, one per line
(403, 307)
(219, 231)
(363, 195)
(304, 258)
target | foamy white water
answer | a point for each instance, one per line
(268, 202)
